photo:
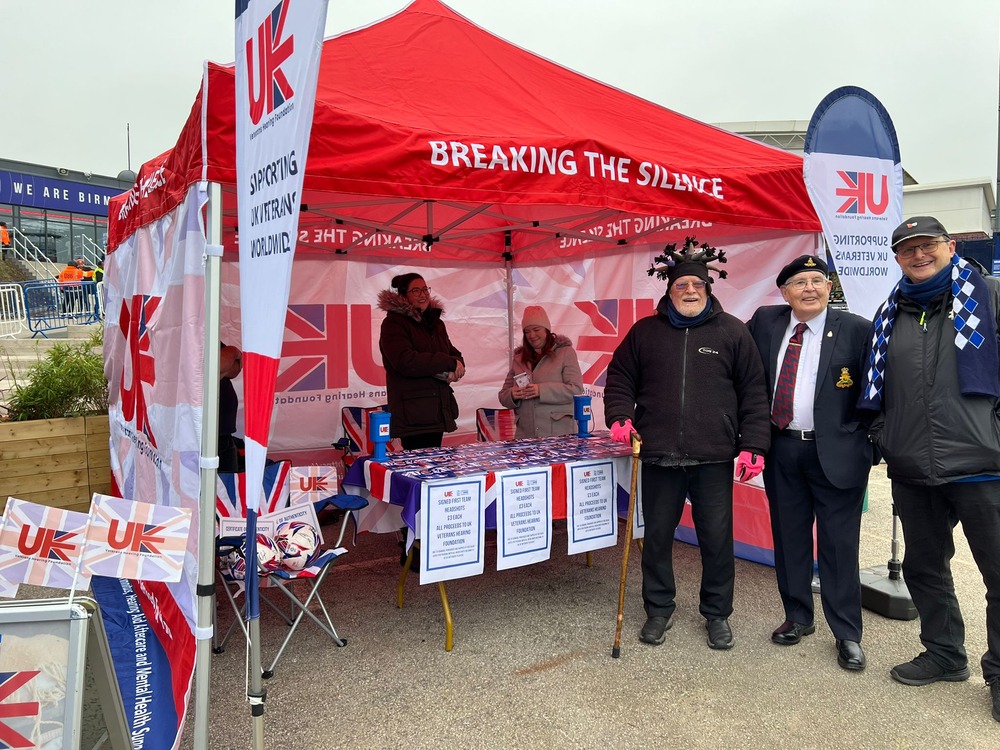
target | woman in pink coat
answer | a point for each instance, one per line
(543, 379)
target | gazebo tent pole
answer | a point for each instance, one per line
(508, 265)
(209, 465)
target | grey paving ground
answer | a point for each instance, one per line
(531, 666)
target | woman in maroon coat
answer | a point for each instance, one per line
(420, 363)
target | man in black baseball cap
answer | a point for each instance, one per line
(932, 369)
(918, 226)
(818, 464)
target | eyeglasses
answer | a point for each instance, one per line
(685, 285)
(419, 290)
(926, 248)
(800, 284)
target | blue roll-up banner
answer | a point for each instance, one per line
(854, 177)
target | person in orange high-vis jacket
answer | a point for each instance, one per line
(70, 273)
(69, 281)
(4, 239)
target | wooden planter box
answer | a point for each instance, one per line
(57, 462)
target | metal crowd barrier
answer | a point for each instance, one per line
(13, 319)
(50, 305)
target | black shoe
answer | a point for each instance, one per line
(995, 693)
(923, 671)
(789, 633)
(655, 629)
(851, 656)
(720, 635)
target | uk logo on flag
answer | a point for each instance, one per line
(136, 540)
(268, 86)
(42, 546)
(612, 319)
(859, 193)
(323, 344)
(138, 366)
(310, 484)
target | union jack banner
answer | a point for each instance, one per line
(313, 353)
(136, 540)
(355, 422)
(378, 480)
(382, 517)
(154, 361)
(17, 717)
(42, 546)
(231, 491)
(310, 484)
(495, 424)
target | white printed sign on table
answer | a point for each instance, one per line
(591, 508)
(453, 528)
(524, 516)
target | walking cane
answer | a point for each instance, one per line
(636, 445)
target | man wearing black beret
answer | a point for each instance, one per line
(820, 457)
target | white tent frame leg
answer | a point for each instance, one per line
(209, 466)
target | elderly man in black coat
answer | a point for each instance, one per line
(820, 456)
(691, 380)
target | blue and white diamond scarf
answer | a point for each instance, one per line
(978, 358)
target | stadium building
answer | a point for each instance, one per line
(61, 212)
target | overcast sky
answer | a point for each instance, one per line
(74, 72)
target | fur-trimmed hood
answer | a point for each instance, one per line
(561, 341)
(391, 302)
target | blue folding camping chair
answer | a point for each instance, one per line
(231, 503)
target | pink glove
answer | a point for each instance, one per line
(621, 431)
(749, 465)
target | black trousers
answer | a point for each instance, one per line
(664, 490)
(929, 516)
(798, 493)
(229, 457)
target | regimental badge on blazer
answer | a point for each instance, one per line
(845, 380)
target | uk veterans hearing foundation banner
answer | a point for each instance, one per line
(855, 180)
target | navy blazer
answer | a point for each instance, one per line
(845, 453)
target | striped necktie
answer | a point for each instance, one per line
(784, 393)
